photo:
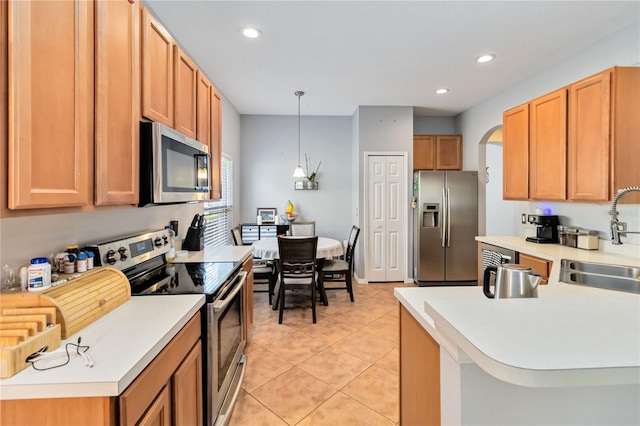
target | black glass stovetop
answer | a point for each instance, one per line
(160, 278)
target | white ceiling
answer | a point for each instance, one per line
(396, 53)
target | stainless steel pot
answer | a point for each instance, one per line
(512, 281)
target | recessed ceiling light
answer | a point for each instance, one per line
(251, 32)
(442, 91)
(485, 58)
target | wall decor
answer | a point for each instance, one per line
(267, 215)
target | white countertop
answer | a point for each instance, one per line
(570, 335)
(217, 254)
(122, 344)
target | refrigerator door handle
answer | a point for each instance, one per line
(448, 219)
(444, 217)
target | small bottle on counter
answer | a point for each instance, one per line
(39, 274)
(81, 262)
(171, 254)
(90, 256)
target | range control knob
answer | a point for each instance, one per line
(110, 257)
(123, 253)
(165, 239)
(157, 242)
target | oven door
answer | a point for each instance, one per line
(225, 345)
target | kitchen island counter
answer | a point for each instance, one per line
(575, 349)
(122, 344)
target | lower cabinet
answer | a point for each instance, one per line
(247, 301)
(419, 373)
(167, 392)
(171, 386)
(540, 266)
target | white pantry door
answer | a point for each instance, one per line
(386, 217)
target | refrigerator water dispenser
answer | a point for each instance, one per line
(430, 214)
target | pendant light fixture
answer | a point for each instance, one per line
(299, 173)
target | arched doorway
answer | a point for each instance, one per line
(495, 215)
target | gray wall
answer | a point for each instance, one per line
(269, 156)
(434, 126)
(621, 48)
(386, 129)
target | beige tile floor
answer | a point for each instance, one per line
(343, 370)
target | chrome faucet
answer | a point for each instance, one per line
(620, 228)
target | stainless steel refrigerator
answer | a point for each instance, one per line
(445, 226)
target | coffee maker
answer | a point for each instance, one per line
(546, 228)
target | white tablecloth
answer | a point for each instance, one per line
(267, 248)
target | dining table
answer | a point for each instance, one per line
(267, 249)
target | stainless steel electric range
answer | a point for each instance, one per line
(142, 259)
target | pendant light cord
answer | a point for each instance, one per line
(299, 95)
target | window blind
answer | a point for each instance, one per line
(219, 214)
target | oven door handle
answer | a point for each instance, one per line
(237, 283)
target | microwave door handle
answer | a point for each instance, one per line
(239, 280)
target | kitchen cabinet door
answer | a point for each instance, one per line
(541, 267)
(157, 70)
(515, 151)
(247, 266)
(159, 413)
(203, 109)
(50, 92)
(185, 77)
(117, 114)
(187, 389)
(216, 144)
(548, 146)
(589, 126)
(419, 373)
(424, 152)
(603, 143)
(449, 152)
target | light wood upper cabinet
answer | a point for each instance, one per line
(515, 151)
(424, 152)
(117, 114)
(437, 152)
(603, 139)
(186, 79)
(50, 91)
(449, 152)
(548, 146)
(203, 108)
(215, 147)
(157, 71)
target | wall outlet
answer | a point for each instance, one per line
(523, 218)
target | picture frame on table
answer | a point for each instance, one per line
(268, 215)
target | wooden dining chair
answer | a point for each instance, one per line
(342, 269)
(302, 229)
(297, 269)
(264, 271)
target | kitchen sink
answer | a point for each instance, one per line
(613, 277)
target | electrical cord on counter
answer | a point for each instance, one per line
(81, 350)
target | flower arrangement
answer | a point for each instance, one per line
(312, 176)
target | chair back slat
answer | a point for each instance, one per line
(237, 236)
(297, 256)
(303, 229)
(351, 245)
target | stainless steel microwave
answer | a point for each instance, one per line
(174, 168)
